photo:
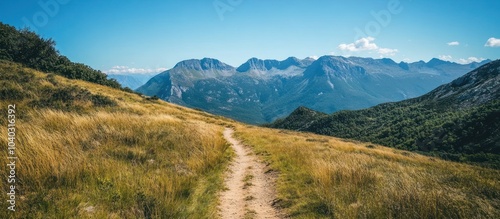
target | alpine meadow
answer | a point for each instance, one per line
(250, 109)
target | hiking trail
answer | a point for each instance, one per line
(250, 191)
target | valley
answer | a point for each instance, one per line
(132, 81)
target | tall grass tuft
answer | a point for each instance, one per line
(341, 179)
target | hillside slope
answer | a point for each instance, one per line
(90, 151)
(459, 121)
(326, 177)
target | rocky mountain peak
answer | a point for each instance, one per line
(268, 64)
(203, 65)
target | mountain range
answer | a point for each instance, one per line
(260, 91)
(132, 81)
(459, 121)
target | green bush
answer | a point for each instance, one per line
(11, 91)
(71, 98)
(28, 48)
(102, 101)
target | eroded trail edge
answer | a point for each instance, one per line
(250, 185)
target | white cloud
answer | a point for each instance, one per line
(387, 52)
(470, 60)
(127, 70)
(313, 57)
(454, 43)
(461, 61)
(367, 44)
(446, 57)
(360, 45)
(492, 42)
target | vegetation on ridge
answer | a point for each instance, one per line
(28, 48)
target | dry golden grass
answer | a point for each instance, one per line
(118, 164)
(324, 177)
(151, 159)
(140, 159)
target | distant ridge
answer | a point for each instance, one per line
(260, 91)
(132, 81)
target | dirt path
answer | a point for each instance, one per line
(250, 190)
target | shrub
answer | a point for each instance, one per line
(102, 101)
(11, 91)
(30, 49)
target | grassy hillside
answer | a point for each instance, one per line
(88, 151)
(326, 177)
(458, 121)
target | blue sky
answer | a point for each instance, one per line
(150, 36)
